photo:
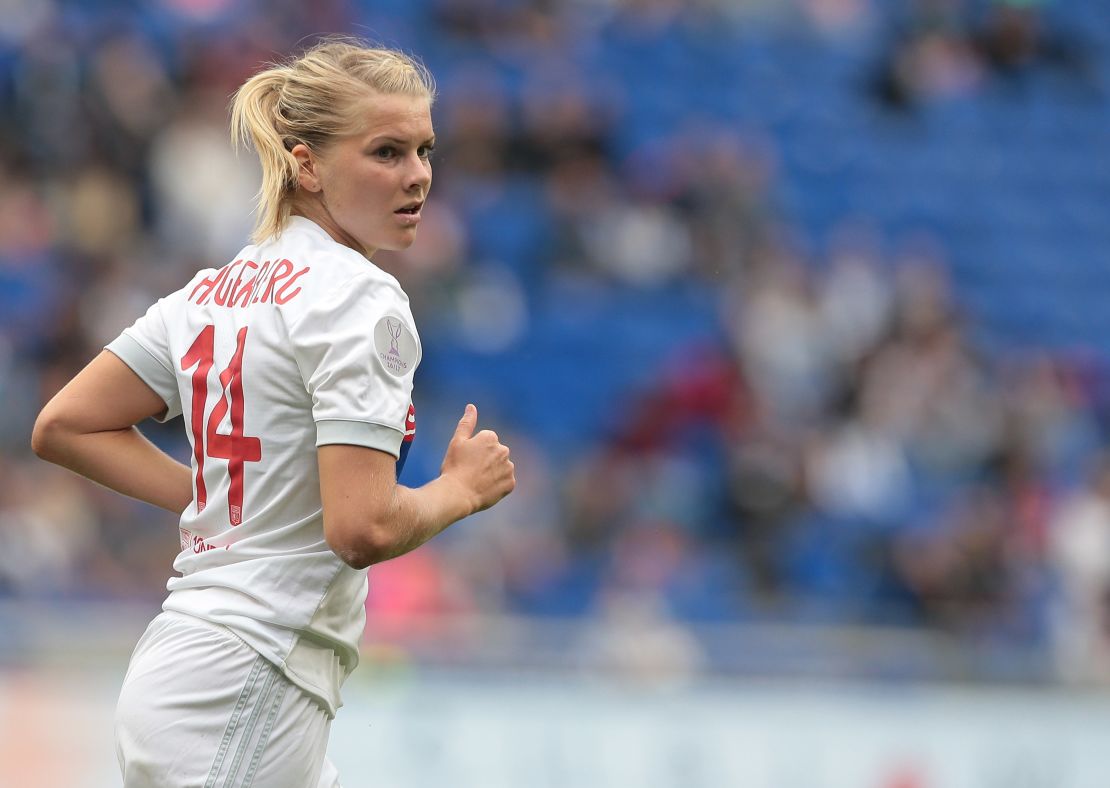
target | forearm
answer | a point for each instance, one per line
(124, 461)
(417, 514)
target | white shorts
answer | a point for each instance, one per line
(200, 708)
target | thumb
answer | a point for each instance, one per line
(467, 423)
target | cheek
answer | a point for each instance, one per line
(362, 190)
(374, 184)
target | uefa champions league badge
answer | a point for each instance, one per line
(396, 346)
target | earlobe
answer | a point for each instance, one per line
(307, 177)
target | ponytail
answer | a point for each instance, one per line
(255, 121)
(309, 101)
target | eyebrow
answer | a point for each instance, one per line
(399, 141)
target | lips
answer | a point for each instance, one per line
(412, 209)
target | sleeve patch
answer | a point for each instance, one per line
(395, 346)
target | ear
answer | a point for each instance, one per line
(308, 168)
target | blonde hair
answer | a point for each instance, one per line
(311, 100)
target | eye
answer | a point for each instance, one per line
(385, 153)
(425, 151)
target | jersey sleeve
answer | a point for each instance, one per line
(357, 349)
(145, 348)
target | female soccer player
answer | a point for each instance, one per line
(292, 366)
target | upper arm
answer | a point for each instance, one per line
(356, 487)
(106, 395)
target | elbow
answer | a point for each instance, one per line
(47, 436)
(354, 556)
(359, 546)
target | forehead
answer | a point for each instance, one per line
(394, 115)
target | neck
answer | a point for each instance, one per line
(317, 211)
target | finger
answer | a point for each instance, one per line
(467, 423)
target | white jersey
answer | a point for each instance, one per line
(297, 343)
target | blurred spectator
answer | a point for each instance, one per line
(778, 333)
(723, 184)
(855, 302)
(1015, 36)
(932, 57)
(1080, 552)
(948, 50)
(204, 209)
(859, 471)
(959, 572)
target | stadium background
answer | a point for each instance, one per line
(792, 313)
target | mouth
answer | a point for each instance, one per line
(412, 209)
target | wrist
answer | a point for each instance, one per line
(464, 502)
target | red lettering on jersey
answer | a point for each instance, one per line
(200, 545)
(245, 290)
(260, 281)
(281, 270)
(209, 285)
(282, 296)
(225, 287)
(273, 282)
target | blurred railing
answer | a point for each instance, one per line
(644, 649)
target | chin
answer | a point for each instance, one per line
(398, 245)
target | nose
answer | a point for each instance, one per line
(418, 175)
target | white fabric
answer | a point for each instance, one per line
(328, 350)
(199, 707)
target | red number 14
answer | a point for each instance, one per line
(236, 447)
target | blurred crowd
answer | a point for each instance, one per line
(945, 48)
(830, 443)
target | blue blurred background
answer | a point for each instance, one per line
(792, 313)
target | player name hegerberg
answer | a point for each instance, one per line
(272, 282)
